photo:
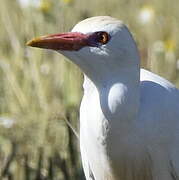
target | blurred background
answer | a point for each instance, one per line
(40, 92)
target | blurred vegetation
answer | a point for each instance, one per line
(39, 90)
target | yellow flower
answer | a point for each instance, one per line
(146, 14)
(170, 45)
(45, 6)
(67, 1)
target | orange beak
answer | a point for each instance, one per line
(71, 41)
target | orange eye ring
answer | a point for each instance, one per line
(103, 37)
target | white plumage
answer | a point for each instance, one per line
(129, 118)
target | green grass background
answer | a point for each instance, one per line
(39, 89)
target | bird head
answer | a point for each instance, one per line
(100, 46)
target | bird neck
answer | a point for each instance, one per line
(118, 93)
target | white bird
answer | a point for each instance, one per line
(129, 117)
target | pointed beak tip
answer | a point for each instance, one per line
(33, 42)
(29, 43)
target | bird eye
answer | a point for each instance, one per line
(103, 37)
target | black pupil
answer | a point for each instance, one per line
(101, 37)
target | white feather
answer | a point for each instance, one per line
(129, 118)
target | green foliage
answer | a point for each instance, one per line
(38, 88)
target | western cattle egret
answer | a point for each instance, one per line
(129, 117)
